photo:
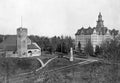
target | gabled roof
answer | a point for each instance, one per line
(84, 31)
(32, 46)
(9, 41)
(10, 44)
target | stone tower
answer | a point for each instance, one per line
(22, 42)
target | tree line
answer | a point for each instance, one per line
(53, 44)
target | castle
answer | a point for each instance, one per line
(19, 45)
(96, 34)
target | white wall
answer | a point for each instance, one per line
(35, 52)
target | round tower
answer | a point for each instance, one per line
(22, 42)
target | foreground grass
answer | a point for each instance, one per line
(61, 62)
(96, 72)
(15, 66)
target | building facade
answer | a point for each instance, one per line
(96, 34)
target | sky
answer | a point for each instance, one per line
(56, 17)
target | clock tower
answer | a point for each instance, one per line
(22, 42)
(100, 21)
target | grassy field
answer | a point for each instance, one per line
(96, 72)
(15, 66)
(61, 62)
(45, 57)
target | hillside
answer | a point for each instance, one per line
(15, 66)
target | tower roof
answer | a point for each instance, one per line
(21, 28)
(99, 15)
(100, 21)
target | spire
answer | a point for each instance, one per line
(100, 21)
(100, 16)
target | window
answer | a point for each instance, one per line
(29, 51)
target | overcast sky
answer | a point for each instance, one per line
(56, 17)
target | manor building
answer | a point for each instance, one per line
(96, 34)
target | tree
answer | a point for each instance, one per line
(97, 50)
(68, 43)
(64, 44)
(111, 52)
(63, 47)
(1, 38)
(89, 48)
(54, 42)
(79, 46)
(60, 44)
